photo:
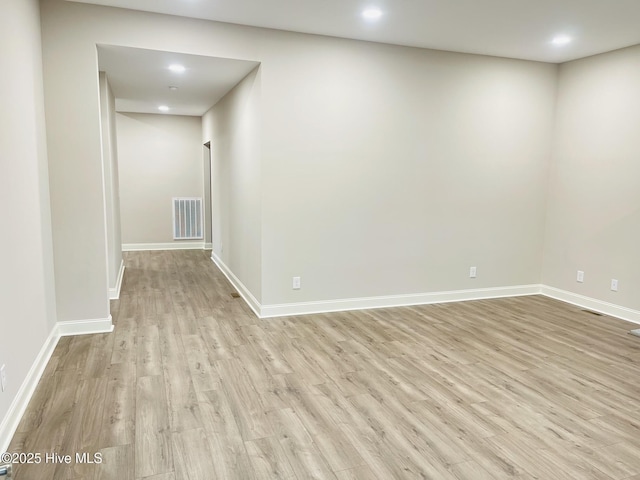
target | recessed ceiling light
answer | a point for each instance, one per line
(372, 13)
(163, 108)
(561, 40)
(177, 68)
(173, 89)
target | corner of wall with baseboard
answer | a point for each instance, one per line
(85, 327)
(238, 285)
(599, 306)
(114, 293)
(19, 405)
(21, 401)
(327, 306)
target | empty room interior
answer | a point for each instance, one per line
(330, 240)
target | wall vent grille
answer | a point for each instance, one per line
(187, 218)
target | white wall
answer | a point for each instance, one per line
(384, 169)
(233, 126)
(593, 219)
(391, 170)
(160, 157)
(75, 170)
(27, 293)
(110, 169)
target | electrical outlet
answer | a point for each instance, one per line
(472, 272)
(614, 284)
(3, 377)
(296, 283)
(580, 277)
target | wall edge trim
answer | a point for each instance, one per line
(244, 292)
(114, 293)
(140, 247)
(590, 303)
(19, 405)
(388, 301)
(85, 327)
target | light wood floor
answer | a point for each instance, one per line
(191, 385)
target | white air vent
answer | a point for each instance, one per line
(187, 219)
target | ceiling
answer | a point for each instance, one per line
(521, 29)
(507, 28)
(140, 79)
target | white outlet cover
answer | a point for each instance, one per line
(3, 377)
(296, 283)
(614, 284)
(473, 272)
(580, 276)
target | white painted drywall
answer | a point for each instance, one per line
(233, 126)
(593, 221)
(75, 171)
(111, 182)
(392, 170)
(27, 293)
(383, 169)
(160, 157)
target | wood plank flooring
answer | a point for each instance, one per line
(191, 385)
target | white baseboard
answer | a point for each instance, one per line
(114, 293)
(21, 401)
(599, 306)
(22, 398)
(139, 247)
(238, 285)
(85, 327)
(305, 308)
